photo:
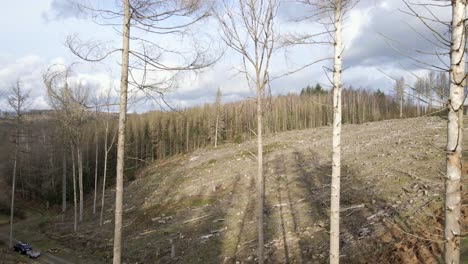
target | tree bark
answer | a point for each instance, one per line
(13, 186)
(336, 151)
(216, 130)
(96, 171)
(121, 139)
(454, 134)
(75, 203)
(103, 184)
(79, 154)
(401, 106)
(260, 179)
(64, 182)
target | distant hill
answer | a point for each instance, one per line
(204, 202)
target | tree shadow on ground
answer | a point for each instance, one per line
(302, 189)
(218, 225)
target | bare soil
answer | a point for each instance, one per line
(200, 207)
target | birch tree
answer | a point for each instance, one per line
(64, 174)
(331, 13)
(336, 141)
(217, 123)
(248, 28)
(144, 18)
(75, 202)
(68, 99)
(454, 47)
(18, 102)
(453, 185)
(399, 89)
(96, 139)
(107, 148)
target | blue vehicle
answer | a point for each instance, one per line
(26, 249)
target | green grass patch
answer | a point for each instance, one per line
(200, 201)
(5, 210)
(4, 219)
(272, 147)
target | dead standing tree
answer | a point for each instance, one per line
(143, 17)
(18, 101)
(248, 28)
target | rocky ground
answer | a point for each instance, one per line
(200, 207)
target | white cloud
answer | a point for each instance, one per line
(34, 44)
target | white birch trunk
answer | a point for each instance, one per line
(336, 151)
(121, 139)
(454, 134)
(13, 188)
(75, 203)
(401, 106)
(260, 179)
(64, 182)
(96, 173)
(80, 178)
(101, 216)
(216, 130)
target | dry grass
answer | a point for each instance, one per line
(205, 202)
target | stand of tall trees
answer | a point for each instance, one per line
(18, 102)
(158, 135)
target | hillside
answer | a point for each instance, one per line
(204, 201)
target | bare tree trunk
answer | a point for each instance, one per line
(64, 182)
(96, 172)
(336, 151)
(401, 106)
(13, 187)
(454, 134)
(187, 135)
(260, 179)
(75, 205)
(121, 140)
(80, 178)
(104, 182)
(17, 101)
(216, 131)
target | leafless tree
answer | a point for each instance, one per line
(107, 149)
(18, 102)
(69, 98)
(331, 13)
(143, 17)
(248, 28)
(96, 139)
(455, 103)
(217, 123)
(399, 90)
(450, 47)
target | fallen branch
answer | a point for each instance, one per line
(412, 235)
(197, 218)
(352, 207)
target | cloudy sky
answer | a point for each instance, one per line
(378, 36)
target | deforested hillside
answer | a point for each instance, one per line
(200, 207)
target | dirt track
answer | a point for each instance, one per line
(31, 235)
